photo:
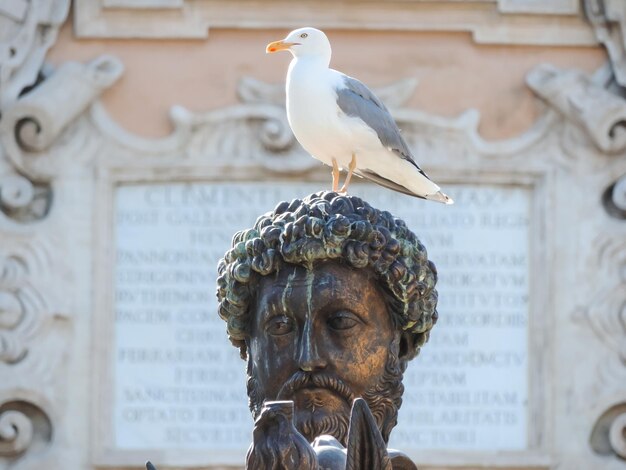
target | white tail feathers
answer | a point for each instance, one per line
(439, 197)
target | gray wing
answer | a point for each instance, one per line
(356, 100)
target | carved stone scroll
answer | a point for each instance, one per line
(619, 193)
(608, 18)
(614, 198)
(27, 30)
(609, 433)
(34, 338)
(37, 119)
(22, 200)
(574, 94)
(24, 427)
(16, 433)
(24, 311)
(606, 315)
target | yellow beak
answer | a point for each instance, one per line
(279, 46)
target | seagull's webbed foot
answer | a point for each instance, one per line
(335, 173)
(351, 167)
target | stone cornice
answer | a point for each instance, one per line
(553, 22)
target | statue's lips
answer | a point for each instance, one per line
(318, 400)
(310, 384)
(316, 394)
(314, 389)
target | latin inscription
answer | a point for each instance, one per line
(180, 384)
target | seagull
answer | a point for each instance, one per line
(340, 122)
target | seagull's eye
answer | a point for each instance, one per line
(303, 35)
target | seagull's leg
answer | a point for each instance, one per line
(351, 167)
(335, 175)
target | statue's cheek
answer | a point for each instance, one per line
(358, 364)
(273, 360)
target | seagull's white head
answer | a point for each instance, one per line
(303, 42)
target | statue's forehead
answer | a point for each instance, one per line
(319, 284)
(327, 275)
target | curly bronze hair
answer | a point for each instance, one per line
(327, 226)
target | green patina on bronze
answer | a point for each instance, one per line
(325, 227)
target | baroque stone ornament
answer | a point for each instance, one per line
(606, 318)
(586, 102)
(24, 428)
(28, 28)
(327, 299)
(37, 120)
(608, 18)
(22, 200)
(614, 198)
(608, 436)
(33, 323)
(33, 334)
(24, 312)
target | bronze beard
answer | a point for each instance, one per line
(384, 399)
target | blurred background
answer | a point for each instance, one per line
(137, 136)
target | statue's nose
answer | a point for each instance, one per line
(309, 357)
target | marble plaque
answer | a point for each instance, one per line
(179, 384)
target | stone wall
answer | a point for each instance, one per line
(112, 218)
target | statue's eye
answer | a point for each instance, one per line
(304, 35)
(343, 320)
(279, 325)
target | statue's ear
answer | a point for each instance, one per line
(408, 347)
(246, 357)
(244, 350)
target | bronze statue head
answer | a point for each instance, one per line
(327, 298)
